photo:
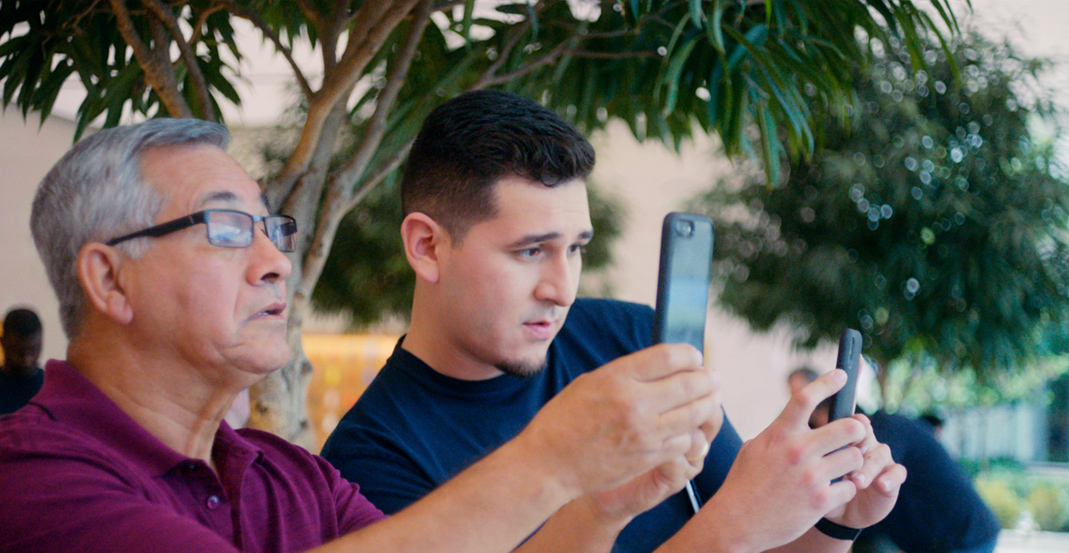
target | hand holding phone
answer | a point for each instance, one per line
(683, 289)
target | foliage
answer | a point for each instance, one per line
(659, 65)
(1049, 506)
(915, 382)
(934, 222)
(1001, 499)
(1018, 496)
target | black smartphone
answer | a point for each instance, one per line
(683, 279)
(844, 401)
(683, 289)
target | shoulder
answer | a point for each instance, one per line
(31, 432)
(287, 456)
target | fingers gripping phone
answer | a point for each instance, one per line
(683, 289)
(843, 403)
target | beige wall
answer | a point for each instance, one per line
(27, 151)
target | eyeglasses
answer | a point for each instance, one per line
(227, 228)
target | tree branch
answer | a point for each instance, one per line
(339, 196)
(551, 57)
(158, 74)
(202, 21)
(346, 175)
(340, 80)
(270, 33)
(200, 86)
(373, 180)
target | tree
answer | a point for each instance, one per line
(934, 221)
(659, 65)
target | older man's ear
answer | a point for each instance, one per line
(99, 269)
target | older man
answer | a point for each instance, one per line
(171, 273)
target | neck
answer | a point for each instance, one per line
(431, 344)
(167, 400)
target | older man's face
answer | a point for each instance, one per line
(221, 311)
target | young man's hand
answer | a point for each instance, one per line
(630, 423)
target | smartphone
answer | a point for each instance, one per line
(844, 401)
(683, 289)
(683, 279)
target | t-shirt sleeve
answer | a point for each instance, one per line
(354, 509)
(62, 504)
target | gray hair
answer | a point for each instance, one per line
(96, 192)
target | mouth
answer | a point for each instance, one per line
(541, 329)
(277, 309)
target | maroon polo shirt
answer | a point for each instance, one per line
(78, 474)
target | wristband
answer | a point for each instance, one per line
(837, 531)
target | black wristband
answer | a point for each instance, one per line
(837, 531)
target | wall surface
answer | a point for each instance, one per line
(27, 152)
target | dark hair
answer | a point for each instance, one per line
(932, 418)
(21, 322)
(470, 142)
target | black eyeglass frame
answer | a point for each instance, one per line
(287, 223)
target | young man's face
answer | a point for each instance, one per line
(216, 309)
(506, 288)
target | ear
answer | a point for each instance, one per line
(98, 272)
(423, 239)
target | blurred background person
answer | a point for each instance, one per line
(20, 376)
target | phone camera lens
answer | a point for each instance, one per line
(684, 228)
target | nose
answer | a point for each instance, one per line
(559, 282)
(267, 264)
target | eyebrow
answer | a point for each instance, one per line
(539, 238)
(228, 196)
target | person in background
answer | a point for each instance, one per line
(495, 221)
(171, 277)
(20, 376)
(935, 421)
(938, 509)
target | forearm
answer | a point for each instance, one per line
(490, 507)
(578, 527)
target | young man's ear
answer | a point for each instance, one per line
(423, 239)
(98, 272)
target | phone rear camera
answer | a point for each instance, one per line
(684, 228)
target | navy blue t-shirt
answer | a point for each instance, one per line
(414, 428)
(937, 509)
(17, 391)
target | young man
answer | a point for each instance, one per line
(20, 377)
(171, 279)
(496, 218)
